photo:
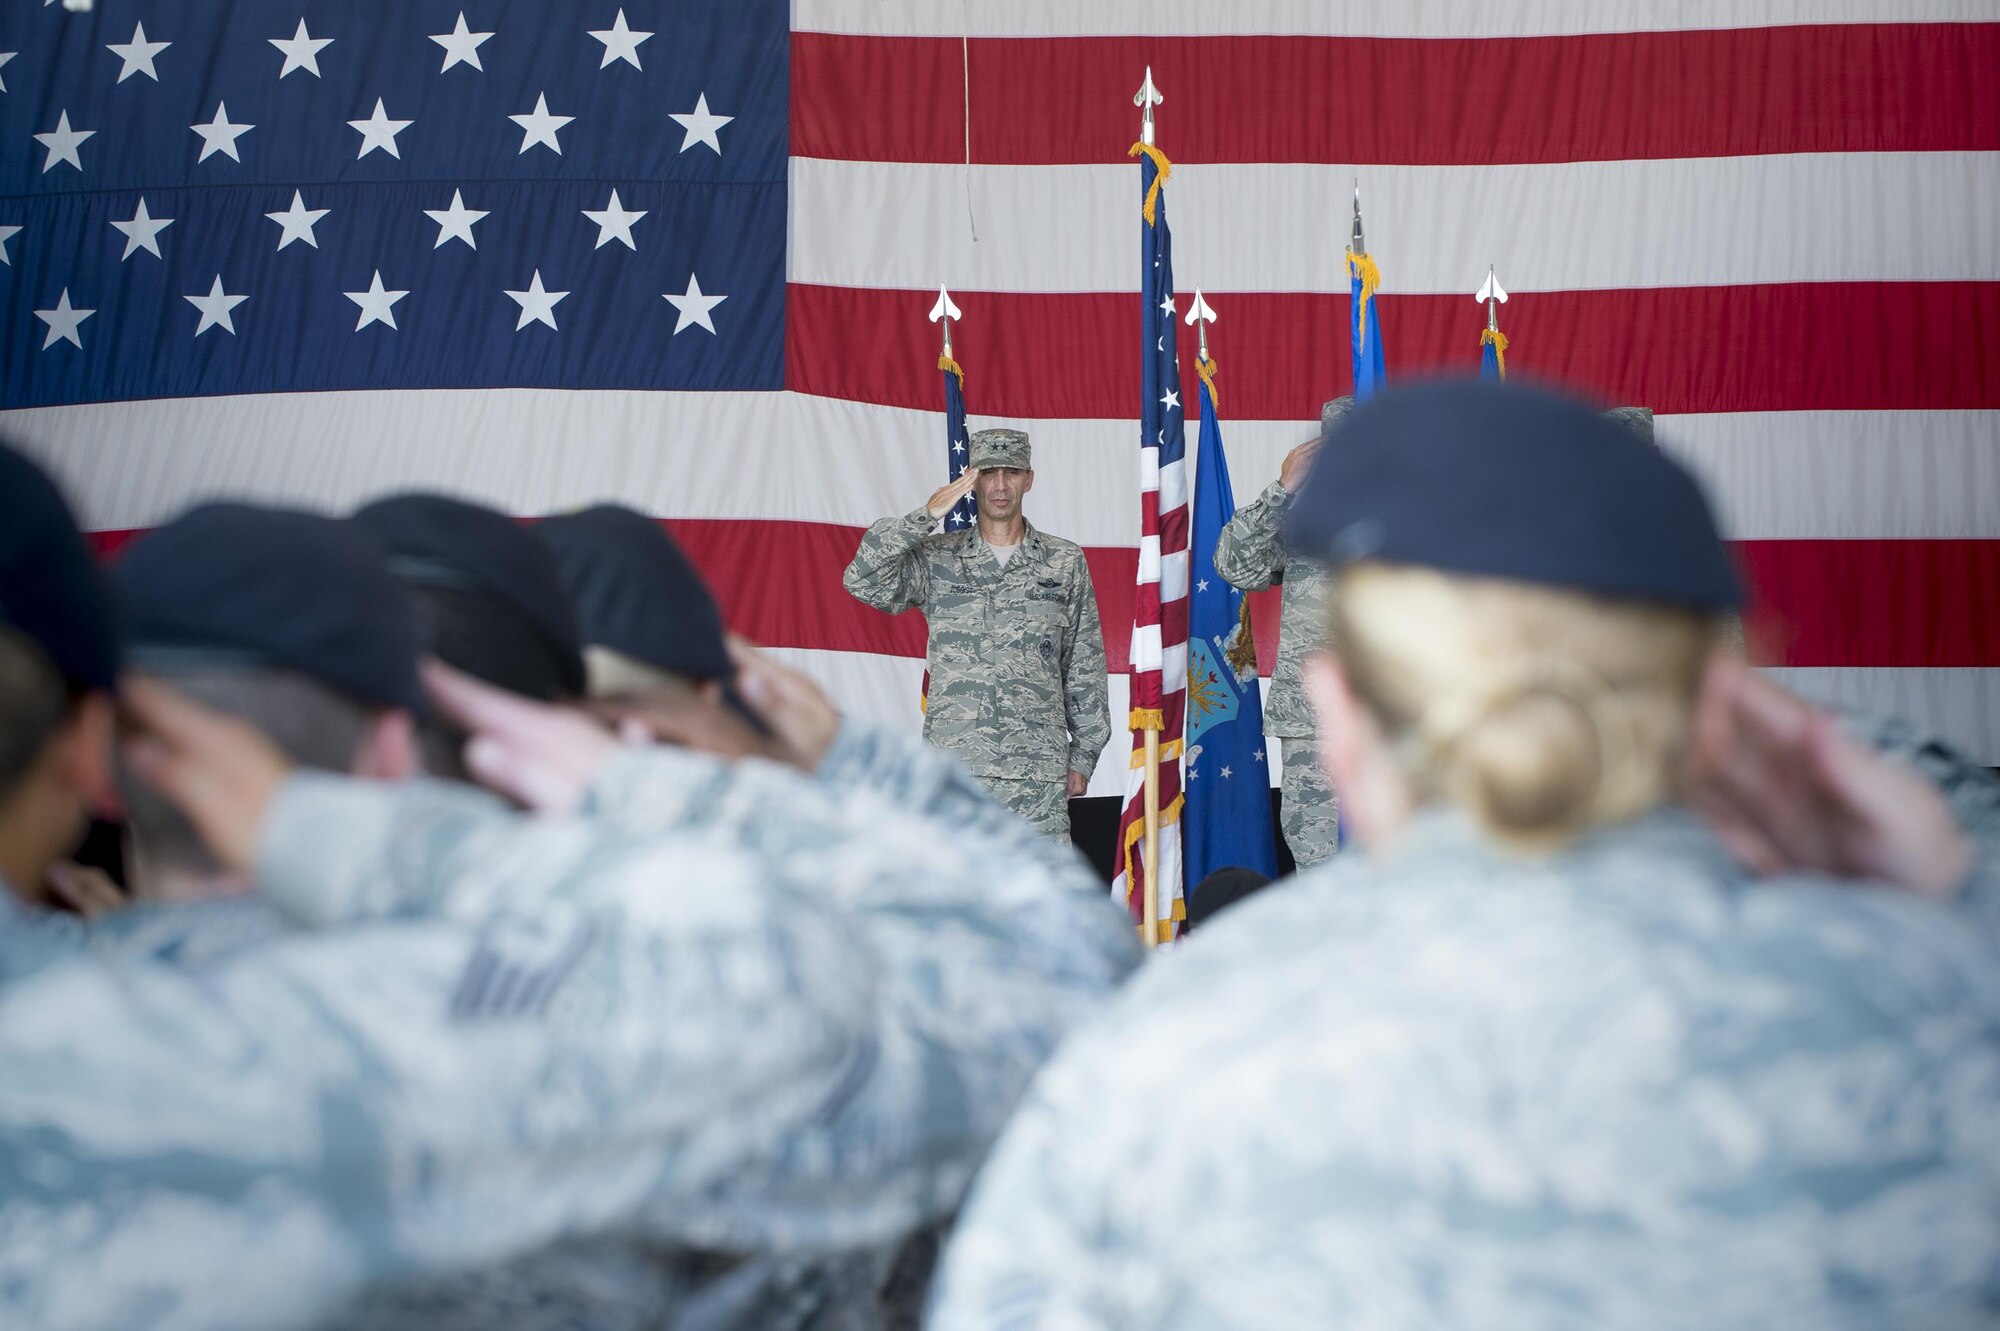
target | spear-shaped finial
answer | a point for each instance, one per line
(1146, 99)
(1201, 315)
(945, 310)
(1356, 241)
(1494, 295)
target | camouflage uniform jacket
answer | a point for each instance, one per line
(1016, 655)
(1620, 1088)
(1251, 555)
(727, 1011)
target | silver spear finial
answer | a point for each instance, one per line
(1146, 99)
(945, 310)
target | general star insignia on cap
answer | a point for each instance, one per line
(1507, 481)
(635, 591)
(272, 588)
(1000, 448)
(50, 589)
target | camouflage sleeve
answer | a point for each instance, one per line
(888, 570)
(986, 944)
(1972, 790)
(344, 1109)
(1251, 551)
(1086, 696)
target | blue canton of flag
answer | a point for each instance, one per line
(966, 511)
(387, 194)
(1228, 812)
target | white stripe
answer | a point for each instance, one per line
(1817, 475)
(1149, 561)
(1173, 571)
(1174, 479)
(1354, 18)
(1145, 650)
(1776, 475)
(1712, 221)
(1962, 706)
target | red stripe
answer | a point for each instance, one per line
(1786, 347)
(1820, 603)
(1596, 97)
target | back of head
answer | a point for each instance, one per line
(489, 592)
(647, 619)
(1528, 592)
(287, 620)
(58, 647)
(1540, 712)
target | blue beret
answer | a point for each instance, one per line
(233, 584)
(435, 540)
(1504, 481)
(635, 592)
(50, 588)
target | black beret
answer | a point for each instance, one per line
(233, 584)
(636, 593)
(1506, 481)
(50, 588)
(435, 540)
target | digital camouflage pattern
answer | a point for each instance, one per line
(1621, 1088)
(1308, 805)
(1016, 655)
(1251, 555)
(735, 1016)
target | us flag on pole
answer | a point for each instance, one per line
(1160, 607)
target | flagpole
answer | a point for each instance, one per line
(1149, 933)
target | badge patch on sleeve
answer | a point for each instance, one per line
(1048, 650)
(518, 964)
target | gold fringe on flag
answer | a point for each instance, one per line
(1363, 267)
(950, 366)
(1165, 168)
(1206, 369)
(1493, 337)
(1168, 753)
(1146, 718)
(1170, 814)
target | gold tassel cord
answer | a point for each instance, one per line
(1150, 208)
(1242, 657)
(950, 366)
(1493, 337)
(1206, 369)
(1363, 267)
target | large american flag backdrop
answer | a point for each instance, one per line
(680, 254)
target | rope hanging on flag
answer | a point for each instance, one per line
(1163, 167)
(1363, 267)
(1206, 369)
(1493, 337)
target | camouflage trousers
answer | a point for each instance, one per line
(1309, 809)
(1045, 804)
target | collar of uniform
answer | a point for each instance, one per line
(1670, 832)
(972, 546)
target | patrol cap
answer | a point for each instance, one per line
(1000, 448)
(50, 588)
(437, 541)
(271, 588)
(1505, 481)
(1332, 413)
(635, 591)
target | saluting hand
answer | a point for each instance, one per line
(1785, 789)
(1297, 463)
(946, 497)
(221, 773)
